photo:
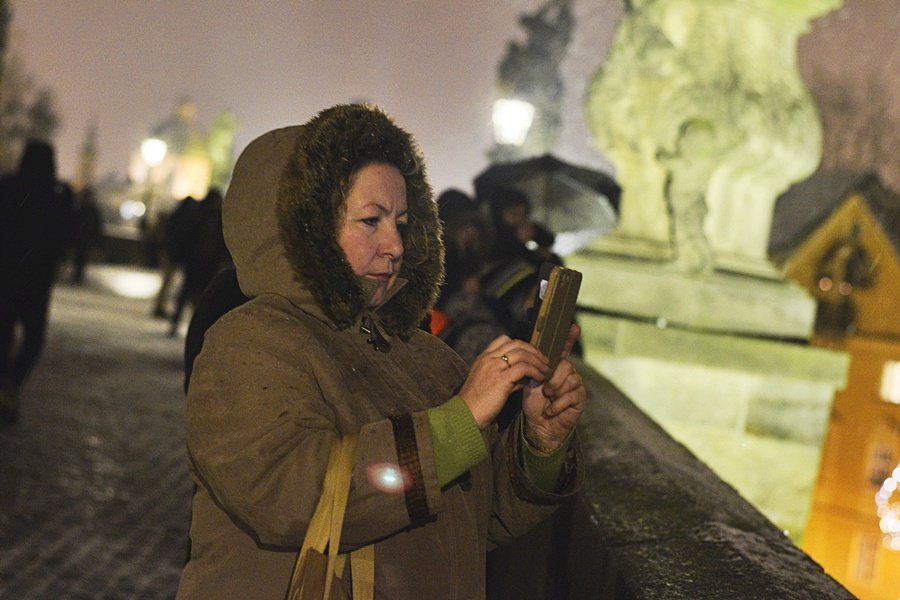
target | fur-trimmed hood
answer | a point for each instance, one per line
(282, 208)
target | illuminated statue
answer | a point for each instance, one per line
(530, 71)
(702, 110)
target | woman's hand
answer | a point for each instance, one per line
(553, 408)
(503, 368)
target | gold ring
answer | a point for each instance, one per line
(505, 359)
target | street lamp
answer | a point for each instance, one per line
(512, 119)
(153, 151)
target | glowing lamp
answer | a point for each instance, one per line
(512, 119)
(153, 151)
(890, 382)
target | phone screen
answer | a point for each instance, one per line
(544, 279)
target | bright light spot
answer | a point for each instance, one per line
(153, 151)
(567, 242)
(825, 284)
(890, 389)
(387, 477)
(889, 513)
(132, 209)
(130, 284)
(390, 478)
(512, 120)
(845, 288)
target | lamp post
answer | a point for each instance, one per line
(512, 119)
(153, 151)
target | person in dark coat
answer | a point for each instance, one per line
(516, 234)
(467, 240)
(36, 226)
(221, 295)
(174, 233)
(335, 239)
(204, 257)
(88, 227)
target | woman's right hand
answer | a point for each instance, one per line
(503, 368)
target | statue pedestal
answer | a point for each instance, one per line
(617, 244)
(723, 302)
(721, 363)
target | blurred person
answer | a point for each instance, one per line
(516, 234)
(221, 296)
(175, 231)
(466, 320)
(466, 244)
(37, 221)
(467, 317)
(336, 242)
(88, 227)
(204, 254)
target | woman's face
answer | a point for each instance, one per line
(375, 215)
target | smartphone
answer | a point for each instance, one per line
(554, 310)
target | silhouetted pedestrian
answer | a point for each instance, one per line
(175, 231)
(36, 225)
(205, 255)
(221, 295)
(88, 227)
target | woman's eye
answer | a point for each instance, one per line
(370, 221)
(402, 228)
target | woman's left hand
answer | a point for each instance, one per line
(553, 408)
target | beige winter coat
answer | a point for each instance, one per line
(283, 374)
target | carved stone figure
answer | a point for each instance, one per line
(702, 110)
(530, 71)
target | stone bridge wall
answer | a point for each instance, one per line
(652, 522)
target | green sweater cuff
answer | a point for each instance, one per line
(543, 469)
(458, 445)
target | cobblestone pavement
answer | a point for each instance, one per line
(94, 493)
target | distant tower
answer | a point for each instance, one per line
(87, 160)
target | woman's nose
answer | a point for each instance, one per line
(392, 243)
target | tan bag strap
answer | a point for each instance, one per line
(344, 473)
(327, 522)
(317, 533)
(362, 566)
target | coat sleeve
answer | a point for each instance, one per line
(259, 431)
(518, 504)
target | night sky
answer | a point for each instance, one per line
(432, 64)
(124, 63)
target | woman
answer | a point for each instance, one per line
(335, 239)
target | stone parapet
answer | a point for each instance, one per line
(653, 521)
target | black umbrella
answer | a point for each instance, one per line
(576, 203)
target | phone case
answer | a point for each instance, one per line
(556, 313)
